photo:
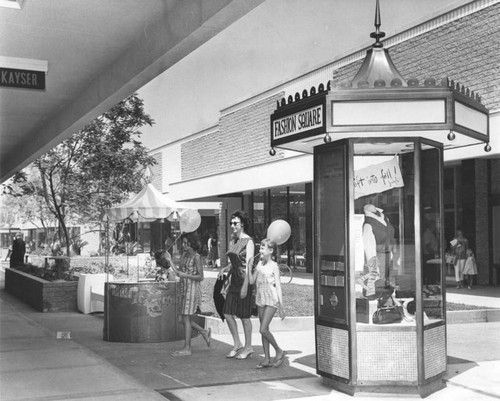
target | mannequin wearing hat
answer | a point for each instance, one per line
(378, 240)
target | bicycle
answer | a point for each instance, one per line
(286, 273)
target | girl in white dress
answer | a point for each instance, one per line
(268, 299)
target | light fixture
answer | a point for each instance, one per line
(327, 138)
(272, 152)
(29, 64)
(451, 136)
(16, 4)
(487, 148)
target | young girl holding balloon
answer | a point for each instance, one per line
(269, 299)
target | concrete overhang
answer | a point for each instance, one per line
(95, 54)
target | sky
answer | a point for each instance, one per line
(276, 42)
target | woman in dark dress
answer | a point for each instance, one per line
(238, 299)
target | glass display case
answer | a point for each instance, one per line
(379, 293)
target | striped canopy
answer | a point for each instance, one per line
(149, 204)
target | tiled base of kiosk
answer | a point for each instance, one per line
(386, 362)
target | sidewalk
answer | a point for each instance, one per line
(35, 365)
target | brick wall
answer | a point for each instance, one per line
(465, 50)
(42, 295)
(242, 141)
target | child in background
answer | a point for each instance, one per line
(191, 275)
(268, 299)
(470, 269)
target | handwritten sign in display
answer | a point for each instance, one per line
(377, 178)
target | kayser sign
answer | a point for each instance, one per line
(26, 79)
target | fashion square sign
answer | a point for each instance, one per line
(298, 123)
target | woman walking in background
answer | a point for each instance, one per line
(191, 275)
(269, 298)
(213, 251)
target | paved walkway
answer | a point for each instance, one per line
(36, 365)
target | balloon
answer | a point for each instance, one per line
(279, 231)
(189, 221)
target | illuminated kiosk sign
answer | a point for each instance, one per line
(25, 79)
(299, 120)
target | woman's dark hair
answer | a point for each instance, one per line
(193, 240)
(161, 259)
(245, 220)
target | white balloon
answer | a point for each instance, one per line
(279, 231)
(189, 221)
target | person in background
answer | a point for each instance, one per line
(18, 251)
(238, 303)
(10, 248)
(269, 299)
(470, 269)
(191, 275)
(213, 252)
(459, 246)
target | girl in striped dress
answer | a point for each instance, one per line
(269, 299)
(191, 275)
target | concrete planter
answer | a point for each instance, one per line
(40, 294)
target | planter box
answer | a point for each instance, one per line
(40, 294)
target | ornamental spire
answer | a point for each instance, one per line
(377, 35)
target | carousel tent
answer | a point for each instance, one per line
(149, 204)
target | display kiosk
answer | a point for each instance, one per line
(378, 142)
(378, 326)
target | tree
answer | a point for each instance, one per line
(93, 169)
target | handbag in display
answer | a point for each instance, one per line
(388, 314)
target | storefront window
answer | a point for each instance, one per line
(259, 210)
(432, 253)
(287, 203)
(297, 242)
(385, 262)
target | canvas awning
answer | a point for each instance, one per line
(149, 204)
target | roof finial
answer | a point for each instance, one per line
(377, 35)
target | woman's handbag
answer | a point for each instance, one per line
(450, 258)
(388, 312)
(391, 314)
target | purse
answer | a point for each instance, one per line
(388, 312)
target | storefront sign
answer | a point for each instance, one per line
(26, 79)
(298, 120)
(377, 178)
(303, 121)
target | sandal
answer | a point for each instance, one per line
(245, 354)
(181, 353)
(263, 365)
(233, 353)
(279, 360)
(208, 337)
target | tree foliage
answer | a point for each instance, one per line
(93, 169)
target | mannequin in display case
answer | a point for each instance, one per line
(379, 243)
